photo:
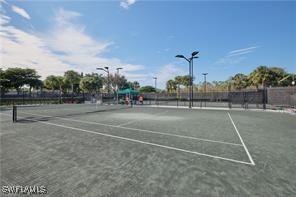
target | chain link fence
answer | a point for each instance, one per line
(234, 99)
(281, 97)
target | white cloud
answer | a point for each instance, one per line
(20, 11)
(66, 45)
(168, 72)
(3, 1)
(21, 49)
(4, 20)
(248, 49)
(229, 61)
(136, 77)
(239, 53)
(127, 3)
(235, 56)
(76, 48)
(64, 16)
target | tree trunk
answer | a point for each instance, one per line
(60, 95)
(18, 91)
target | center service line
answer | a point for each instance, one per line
(241, 139)
(135, 129)
(141, 142)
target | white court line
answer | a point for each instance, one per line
(142, 142)
(133, 121)
(135, 129)
(246, 149)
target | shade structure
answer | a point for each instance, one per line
(128, 91)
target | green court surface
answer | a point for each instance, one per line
(146, 151)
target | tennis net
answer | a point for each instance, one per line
(36, 112)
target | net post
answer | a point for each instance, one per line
(14, 113)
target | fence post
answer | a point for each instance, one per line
(23, 97)
(264, 97)
(244, 100)
(14, 113)
(229, 100)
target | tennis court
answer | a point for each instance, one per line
(90, 150)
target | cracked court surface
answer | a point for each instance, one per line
(151, 152)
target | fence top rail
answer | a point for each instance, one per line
(288, 87)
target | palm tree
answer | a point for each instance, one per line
(179, 81)
(277, 74)
(51, 82)
(186, 80)
(60, 81)
(240, 81)
(183, 80)
(136, 85)
(91, 83)
(260, 76)
(73, 78)
(171, 85)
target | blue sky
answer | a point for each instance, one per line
(144, 36)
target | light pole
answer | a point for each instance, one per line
(190, 61)
(106, 69)
(155, 86)
(205, 87)
(293, 86)
(117, 83)
(205, 81)
(155, 83)
(118, 70)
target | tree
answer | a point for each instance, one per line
(128, 84)
(116, 81)
(179, 80)
(4, 82)
(51, 82)
(287, 79)
(56, 83)
(124, 84)
(276, 76)
(37, 84)
(186, 80)
(147, 89)
(136, 85)
(15, 77)
(31, 78)
(61, 83)
(221, 85)
(171, 85)
(183, 80)
(260, 76)
(239, 81)
(73, 78)
(268, 76)
(18, 77)
(91, 83)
